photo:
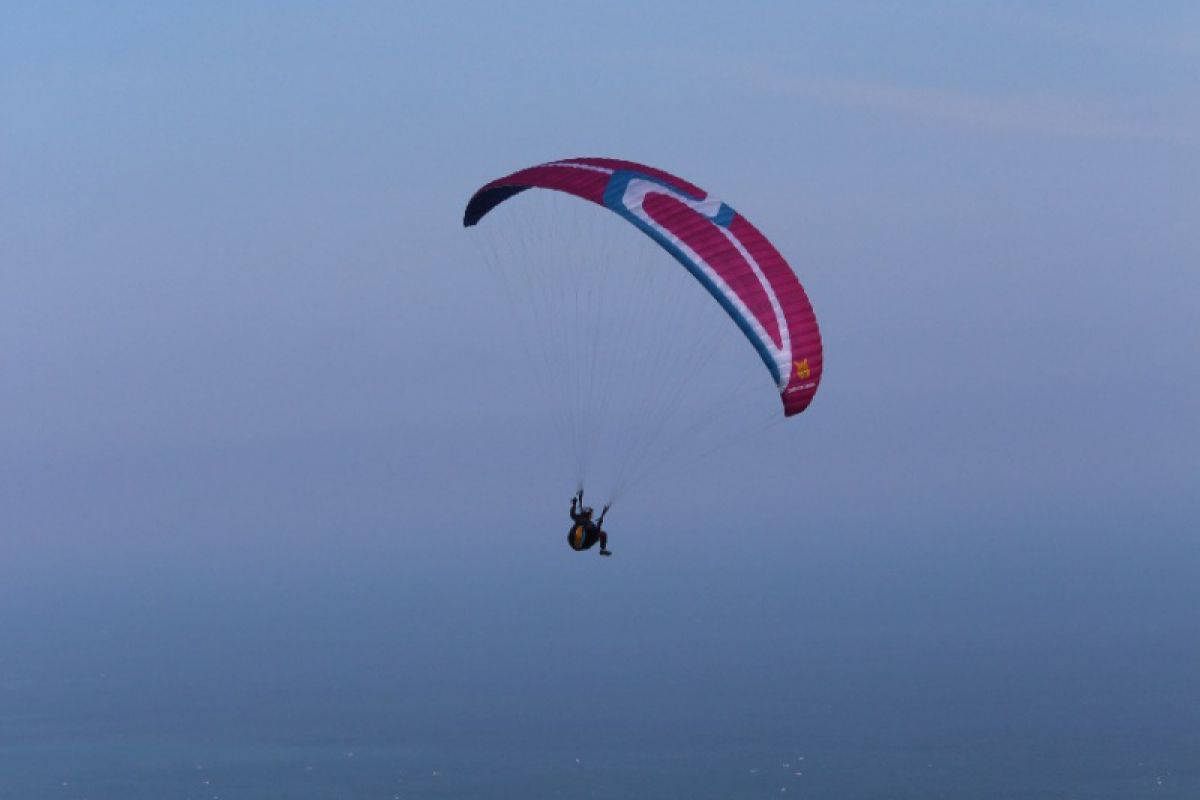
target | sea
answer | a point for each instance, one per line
(580, 677)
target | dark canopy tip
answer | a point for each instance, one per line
(485, 200)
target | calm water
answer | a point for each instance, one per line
(446, 675)
(201, 769)
(890, 721)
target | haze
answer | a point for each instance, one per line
(248, 492)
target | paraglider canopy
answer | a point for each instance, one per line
(738, 266)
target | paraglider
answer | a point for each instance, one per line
(734, 263)
(585, 532)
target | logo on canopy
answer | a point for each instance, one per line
(802, 370)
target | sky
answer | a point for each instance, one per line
(242, 330)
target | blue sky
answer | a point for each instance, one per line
(230, 224)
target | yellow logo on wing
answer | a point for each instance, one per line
(802, 370)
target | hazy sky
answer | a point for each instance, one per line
(233, 312)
